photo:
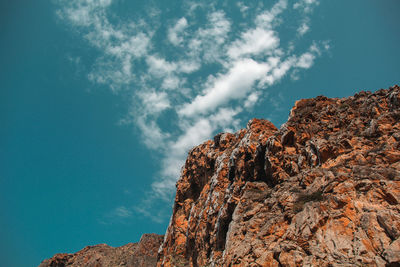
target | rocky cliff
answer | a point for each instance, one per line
(323, 190)
(142, 254)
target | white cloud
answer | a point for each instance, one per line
(204, 77)
(154, 101)
(175, 32)
(188, 66)
(278, 72)
(279, 7)
(225, 118)
(122, 212)
(266, 18)
(306, 60)
(118, 215)
(171, 82)
(303, 28)
(251, 100)
(220, 26)
(152, 135)
(146, 207)
(135, 46)
(242, 7)
(193, 135)
(306, 5)
(159, 66)
(207, 42)
(254, 42)
(80, 12)
(120, 43)
(233, 85)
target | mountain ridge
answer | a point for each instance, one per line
(324, 189)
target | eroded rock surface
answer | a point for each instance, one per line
(323, 190)
(142, 254)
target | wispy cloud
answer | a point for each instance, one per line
(306, 6)
(175, 33)
(205, 77)
(122, 212)
(207, 45)
(303, 28)
(233, 85)
(118, 215)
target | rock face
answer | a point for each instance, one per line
(142, 254)
(323, 190)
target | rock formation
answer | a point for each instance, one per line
(142, 254)
(323, 190)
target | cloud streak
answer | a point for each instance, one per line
(205, 76)
(233, 85)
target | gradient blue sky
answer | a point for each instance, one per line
(101, 100)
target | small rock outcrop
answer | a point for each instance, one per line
(142, 254)
(323, 190)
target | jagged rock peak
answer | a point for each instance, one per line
(141, 254)
(323, 190)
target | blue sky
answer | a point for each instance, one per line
(102, 99)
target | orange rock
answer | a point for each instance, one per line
(307, 194)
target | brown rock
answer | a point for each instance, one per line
(323, 190)
(139, 254)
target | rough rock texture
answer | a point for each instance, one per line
(142, 254)
(323, 190)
